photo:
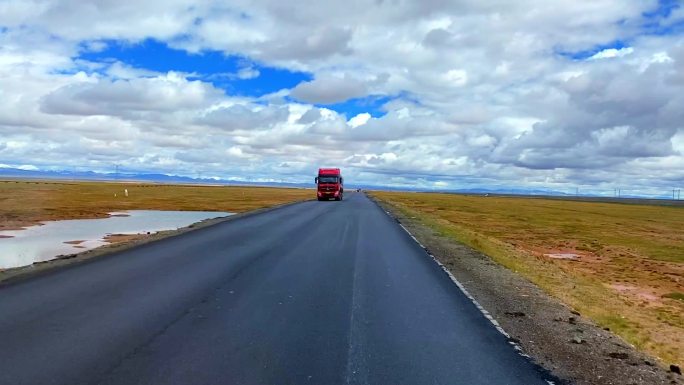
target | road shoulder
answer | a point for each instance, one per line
(554, 336)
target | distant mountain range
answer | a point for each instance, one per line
(9, 172)
(132, 177)
(164, 178)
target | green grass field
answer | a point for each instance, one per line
(630, 276)
(24, 203)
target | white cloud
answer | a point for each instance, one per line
(359, 120)
(25, 167)
(329, 90)
(612, 53)
(455, 77)
(248, 73)
(484, 95)
(245, 117)
(127, 97)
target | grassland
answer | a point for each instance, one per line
(630, 272)
(24, 203)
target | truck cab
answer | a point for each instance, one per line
(329, 184)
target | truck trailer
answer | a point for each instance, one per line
(329, 184)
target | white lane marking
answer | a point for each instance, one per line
(491, 319)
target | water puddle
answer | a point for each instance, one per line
(52, 239)
(567, 256)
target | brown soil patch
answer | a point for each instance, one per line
(637, 292)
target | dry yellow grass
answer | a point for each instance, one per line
(630, 277)
(24, 203)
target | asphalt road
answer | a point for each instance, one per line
(312, 293)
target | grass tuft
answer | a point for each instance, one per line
(676, 295)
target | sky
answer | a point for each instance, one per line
(434, 94)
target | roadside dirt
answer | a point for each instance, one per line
(120, 238)
(556, 337)
(117, 243)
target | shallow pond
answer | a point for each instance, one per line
(47, 241)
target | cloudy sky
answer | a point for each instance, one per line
(427, 93)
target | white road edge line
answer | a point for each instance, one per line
(479, 307)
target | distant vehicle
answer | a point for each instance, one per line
(329, 184)
(358, 190)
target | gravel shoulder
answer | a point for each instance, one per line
(559, 339)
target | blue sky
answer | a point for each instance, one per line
(222, 70)
(662, 11)
(577, 94)
(588, 53)
(650, 24)
(208, 65)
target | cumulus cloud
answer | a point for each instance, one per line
(329, 90)
(121, 97)
(478, 92)
(310, 116)
(241, 117)
(248, 73)
(322, 42)
(612, 53)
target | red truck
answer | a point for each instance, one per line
(329, 184)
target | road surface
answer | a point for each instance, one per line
(313, 293)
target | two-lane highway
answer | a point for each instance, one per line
(312, 293)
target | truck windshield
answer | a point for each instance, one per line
(327, 179)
